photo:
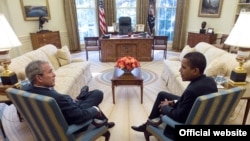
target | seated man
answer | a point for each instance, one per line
(82, 109)
(192, 67)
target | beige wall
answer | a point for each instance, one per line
(12, 10)
(222, 25)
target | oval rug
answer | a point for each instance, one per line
(147, 75)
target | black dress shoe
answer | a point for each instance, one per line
(84, 93)
(85, 89)
(111, 124)
(141, 128)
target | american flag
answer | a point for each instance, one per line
(102, 21)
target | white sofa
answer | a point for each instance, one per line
(218, 61)
(71, 73)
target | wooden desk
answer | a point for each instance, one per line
(195, 38)
(246, 96)
(43, 38)
(118, 46)
(121, 78)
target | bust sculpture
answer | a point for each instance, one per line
(203, 25)
(42, 20)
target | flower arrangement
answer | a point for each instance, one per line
(127, 63)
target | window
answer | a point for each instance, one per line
(126, 8)
(165, 18)
(87, 25)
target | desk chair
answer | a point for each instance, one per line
(211, 109)
(92, 44)
(160, 43)
(46, 121)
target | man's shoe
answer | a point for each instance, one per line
(111, 124)
(141, 128)
(85, 89)
(84, 92)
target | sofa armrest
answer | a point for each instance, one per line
(77, 60)
(173, 58)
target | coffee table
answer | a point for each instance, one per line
(246, 96)
(121, 78)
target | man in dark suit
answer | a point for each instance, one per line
(79, 110)
(192, 67)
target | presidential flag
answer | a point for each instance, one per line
(151, 16)
(102, 22)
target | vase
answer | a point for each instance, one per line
(127, 71)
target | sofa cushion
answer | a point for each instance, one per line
(18, 65)
(185, 50)
(213, 53)
(51, 50)
(63, 55)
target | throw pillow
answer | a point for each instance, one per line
(63, 55)
(185, 50)
(222, 65)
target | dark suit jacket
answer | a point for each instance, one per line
(201, 86)
(71, 109)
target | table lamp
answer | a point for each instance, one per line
(240, 37)
(8, 40)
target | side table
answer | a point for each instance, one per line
(246, 96)
(4, 99)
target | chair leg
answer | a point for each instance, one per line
(147, 135)
(165, 54)
(106, 135)
(87, 57)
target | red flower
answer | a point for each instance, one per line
(128, 63)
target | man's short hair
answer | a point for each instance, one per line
(197, 60)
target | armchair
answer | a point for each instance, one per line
(160, 43)
(211, 109)
(92, 44)
(46, 121)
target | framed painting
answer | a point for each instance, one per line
(33, 9)
(210, 30)
(210, 8)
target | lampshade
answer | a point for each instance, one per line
(8, 38)
(240, 34)
(240, 37)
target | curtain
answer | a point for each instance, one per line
(109, 7)
(72, 25)
(180, 25)
(142, 12)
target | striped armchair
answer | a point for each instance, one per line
(211, 109)
(46, 121)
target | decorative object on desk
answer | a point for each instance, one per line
(239, 37)
(127, 64)
(210, 9)
(203, 25)
(210, 30)
(42, 20)
(32, 10)
(8, 40)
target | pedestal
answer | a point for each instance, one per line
(9, 80)
(238, 78)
